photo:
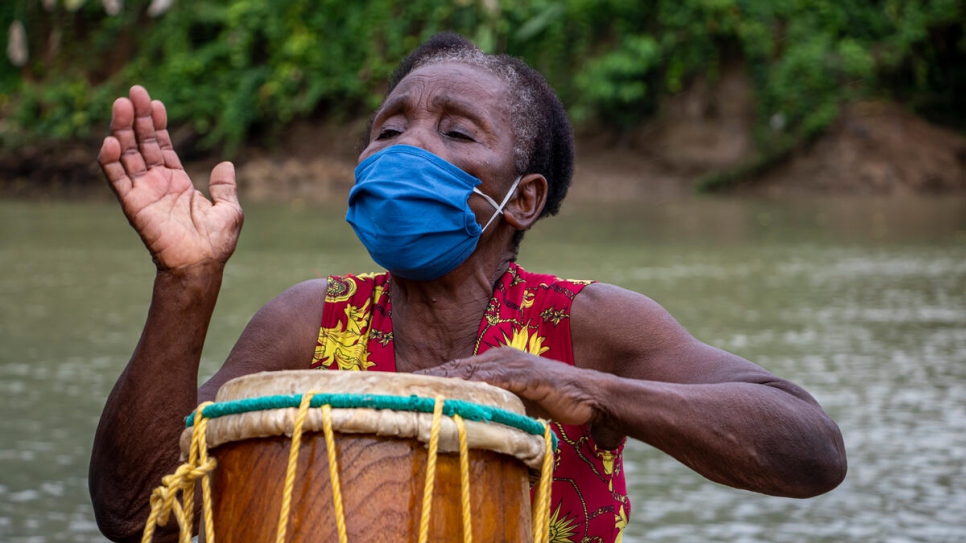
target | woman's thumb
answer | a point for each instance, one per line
(222, 185)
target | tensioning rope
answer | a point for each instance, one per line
(541, 513)
(199, 465)
(430, 471)
(467, 410)
(164, 498)
(464, 479)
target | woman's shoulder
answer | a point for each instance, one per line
(280, 336)
(299, 302)
(610, 324)
(517, 274)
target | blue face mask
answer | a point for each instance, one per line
(409, 208)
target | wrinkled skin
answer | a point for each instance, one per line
(641, 376)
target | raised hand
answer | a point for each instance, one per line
(180, 227)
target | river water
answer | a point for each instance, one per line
(861, 301)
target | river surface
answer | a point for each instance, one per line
(863, 302)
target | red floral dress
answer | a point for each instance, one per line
(530, 312)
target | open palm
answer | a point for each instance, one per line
(178, 224)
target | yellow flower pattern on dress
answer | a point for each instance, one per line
(346, 343)
(339, 290)
(562, 528)
(528, 296)
(553, 316)
(524, 341)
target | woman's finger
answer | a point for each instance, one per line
(109, 159)
(122, 129)
(133, 163)
(144, 131)
(160, 117)
(122, 124)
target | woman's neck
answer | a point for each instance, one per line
(437, 321)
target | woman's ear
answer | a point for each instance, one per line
(525, 206)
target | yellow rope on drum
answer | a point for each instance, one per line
(464, 479)
(293, 457)
(541, 512)
(199, 467)
(430, 470)
(334, 473)
(164, 498)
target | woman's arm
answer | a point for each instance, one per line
(644, 376)
(190, 238)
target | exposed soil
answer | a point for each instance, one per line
(873, 148)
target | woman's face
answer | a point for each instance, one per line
(457, 112)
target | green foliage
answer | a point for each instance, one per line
(616, 84)
(806, 57)
(233, 70)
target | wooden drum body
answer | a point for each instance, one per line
(381, 457)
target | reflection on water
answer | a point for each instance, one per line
(862, 302)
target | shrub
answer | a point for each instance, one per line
(234, 70)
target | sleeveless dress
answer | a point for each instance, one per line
(527, 311)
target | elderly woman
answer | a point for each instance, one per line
(466, 153)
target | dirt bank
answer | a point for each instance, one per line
(873, 148)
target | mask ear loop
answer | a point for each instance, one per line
(499, 208)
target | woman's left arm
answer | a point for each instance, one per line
(642, 375)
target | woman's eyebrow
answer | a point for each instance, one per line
(400, 102)
(464, 108)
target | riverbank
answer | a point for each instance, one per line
(874, 148)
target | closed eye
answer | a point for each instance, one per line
(387, 133)
(455, 134)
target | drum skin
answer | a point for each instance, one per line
(382, 482)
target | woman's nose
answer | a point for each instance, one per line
(423, 136)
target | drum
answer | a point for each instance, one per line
(384, 435)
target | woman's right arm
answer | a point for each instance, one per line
(190, 239)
